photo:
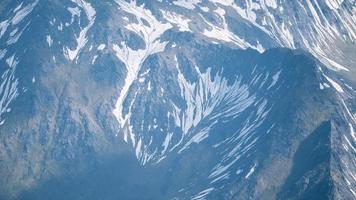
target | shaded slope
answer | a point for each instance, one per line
(310, 176)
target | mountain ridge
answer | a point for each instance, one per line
(90, 86)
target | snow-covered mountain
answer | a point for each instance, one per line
(186, 99)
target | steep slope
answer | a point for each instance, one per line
(318, 26)
(312, 179)
(240, 158)
(143, 99)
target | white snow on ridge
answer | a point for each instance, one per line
(208, 99)
(3, 27)
(49, 40)
(11, 61)
(18, 7)
(101, 47)
(333, 4)
(274, 79)
(318, 36)
(88, 9)
(188, 4)
(21, 13)
(334, 84)
(138, 148)
(202, 195)
(250, 172)
(222, 33)
(8, 87)
(166, 142)
(318, 52)
(241, 142)
(353, 134)
(285, 32)
(74, 11)
(178, 20)
(8, 82)
(2, 53)
(133, 59)
(205, 9)
(271, 3)
(94, 59)
(16, 35)
(219, 33)
(82, 39)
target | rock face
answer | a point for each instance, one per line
(177, 99)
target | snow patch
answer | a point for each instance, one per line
(179, 20)
(334, 84)
(150, 30)
(23, 12)
(271, 3)
(334, 4)
(202, 195)
(250, 172)
(188, 4)
(274, 79)
(101, 47)
(94, 59)
(49, 40)
(82, 39)
(8, 87)
(222, 33)
(2, 53)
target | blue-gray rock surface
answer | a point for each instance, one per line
(182, 99)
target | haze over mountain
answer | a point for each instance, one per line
(177, 99)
